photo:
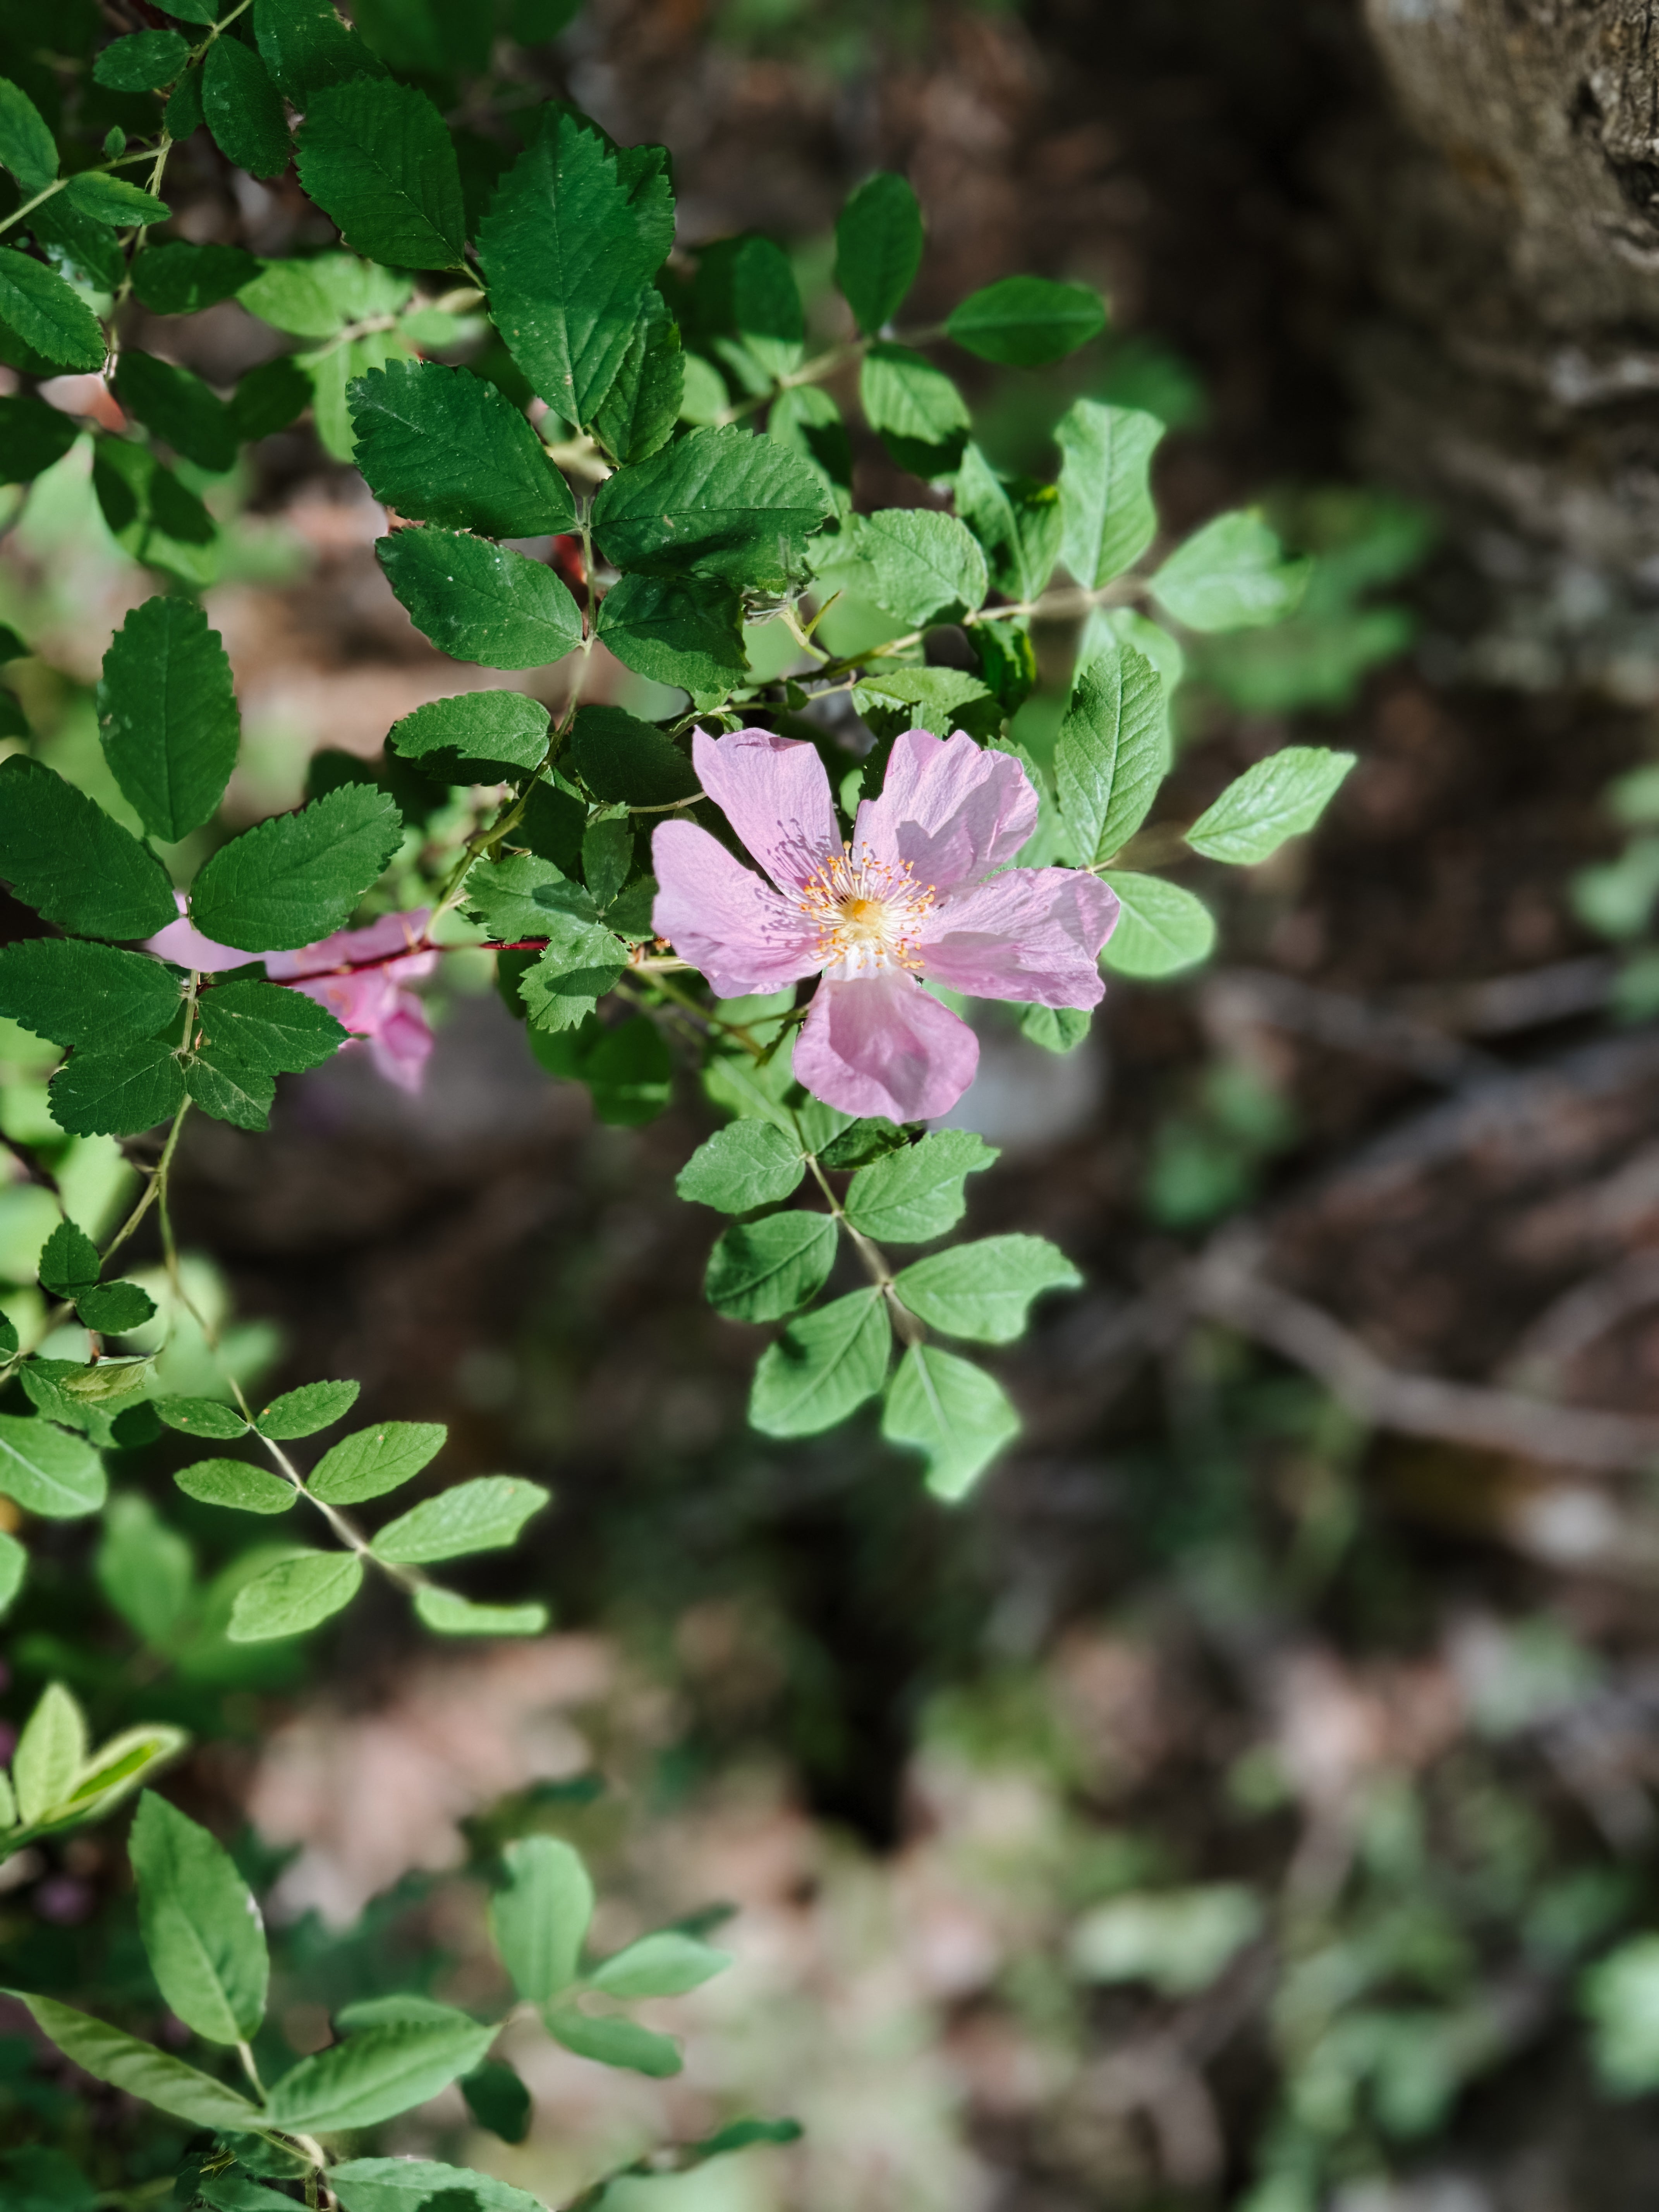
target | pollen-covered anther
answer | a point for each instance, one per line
(868, 913)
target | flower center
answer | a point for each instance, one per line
(868, 913)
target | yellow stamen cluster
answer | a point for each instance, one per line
(866, 911)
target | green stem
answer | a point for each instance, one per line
(102, 169)
(906, 1327)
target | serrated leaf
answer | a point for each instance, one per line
(685, 633)
(303, 1412)
(918, 412)
(96, 1384)
(570, 243)
(1112, 752)
(376, 156)
(666, 1964)
(763, 1270)
(142, 63)
(229, 1091)
(952, 1410)
(69, 1261)
(484, 1515)
(766, 305)
(201, 1417)
(1025, 321)
(168, 715)
(921, 566)
(181, 410)
(75, 992)
(1105, 500)
(27, 146)
(62, 855)
(746, 1164)
(984, 1290)
(1278, 798)
(893, 699)
(50, 1754)
(913, 1196)
(112, 200)
(478, 601)
(109, 2055)
(294, 1596)
(47, 315)
(236, 1483)
(1231, 574)
(295, 878)
(118, 1092)
(48, 1471)
(637, 416)
(33, 437)
(243, 109)
(582, 962)
(620, 2043)
(152, 515)
(1017, 521)
(501, 727)
(878, 246)
(623, 760)
(408, 2185)
(517, 896)
(114, 1309)
(376, 2075)
(371, 1461)
(265, 1029)
(305, 45)
(440, 444)
(179, 279)
(823, 1367)
(449, 1616)
(200, 1926)
(721, 504)
(539, 1920)
(1160, 928)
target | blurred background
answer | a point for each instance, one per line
(1247, 1797)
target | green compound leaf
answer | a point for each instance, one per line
(295, 878)
(1231, 574)
(1160, 929)
(1025, 321)
(746, 1164)
(952, 1410)
(570, 243)
(75, 992)
(200, 1926)
(260, 1029)
(1113, 751)
(539, 1920)
(62, 855)
(623, 760)
(114, 1309)
(181, 410)
(110, 2054)
(408, 2185)
(484, 1515)
(371, 1461)
(27, 146)
(243, 109)
(143, 63)
(666, 1964)
(765, 1270)
(305, 46)
(687, 633)
(117, 1093)
(201, 1417)
(501, 727)
(879, 244)
(447, 1614)
(48, 1471)
(1017, 520)
(722, 504)
(919, 565)
(176, 279)
(582, 962)
(823, 1367)
(33, 436)
(152, 515)
(480, 602)
(983, 1290)
(168, 716)
(913, 1196)
(638, 414)
(47, 315)
(228, 1091)
(295, 1596)
(378, 158)
(301, 1413)
(51, 1752)
(112, 200)
(517, 896)
(69, 1261)
(620, 2043)
(377, 2074)
(439, 445)
(1105, 499)
(892, 700)
(920, 417)
(316, 299)
(766, 305)
(234, 1483)
(1279, 798)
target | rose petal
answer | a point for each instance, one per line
(402, 1043)
(1033, 935)
(950, 808)
(723, 918)
(776, 795)
(391, 935)
(359, 1001)
(880, 1044)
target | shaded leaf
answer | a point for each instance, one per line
(722, 504)
(920, 417)
(762, 1270)
(685, 633)
(983, 1290)
(952, 1410)
(823, 1367)
(440, 444)
(1027, 320)
(168, 716)
(47, 315)
(295, 1596)
(243, 109)
(376, 156)
(622, 759)
(75, 992)
(878, 246)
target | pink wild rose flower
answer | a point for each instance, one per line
(923, 890)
